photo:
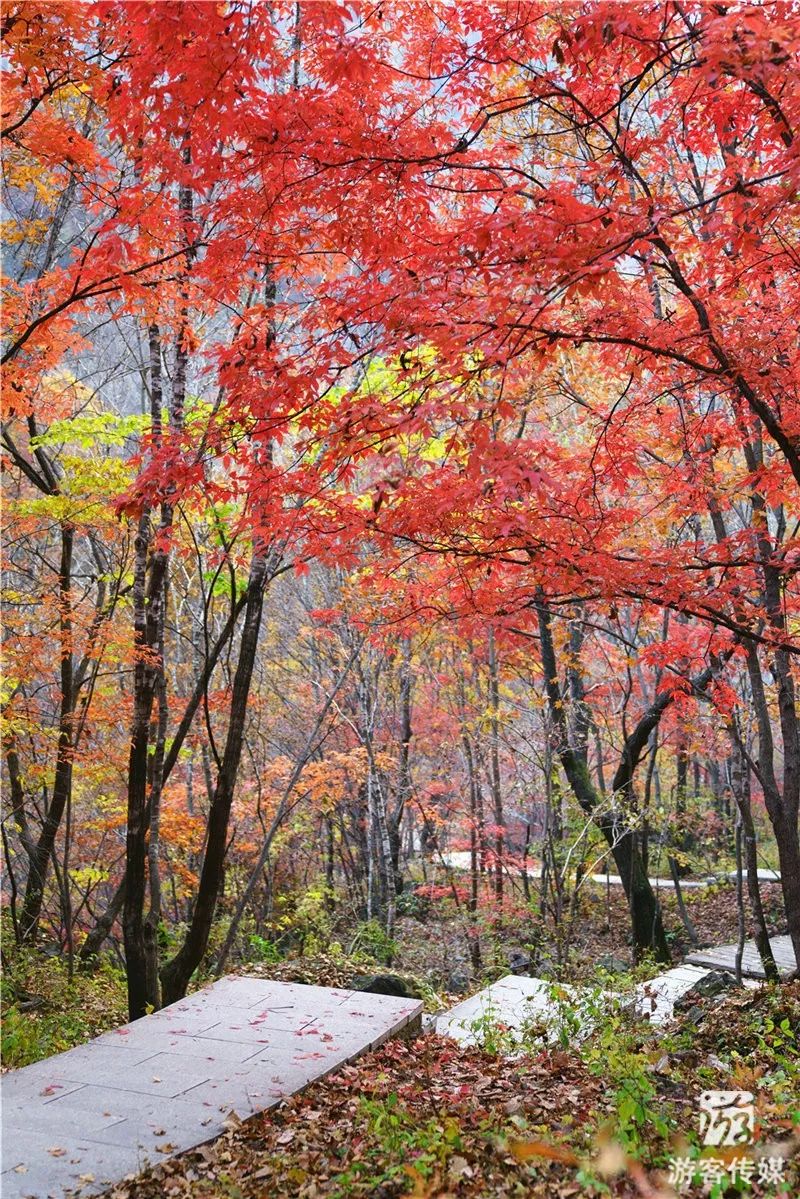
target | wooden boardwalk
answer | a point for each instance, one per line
(723, 957)
(168, 1082)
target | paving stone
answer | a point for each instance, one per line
(166, 1083)
(189, 1020)
(19, 1087)
(97, 1057)
(242, 1031)
(73, 1124)
(46, 1166)
(656, 998)
(208, 1065)
(512, 1002)
(116, 1101)
(339, 1045)
(147, 1111)
(155, 1076)
(273, 1079)
(204, 1045)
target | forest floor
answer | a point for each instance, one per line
(435, 1119)
(44, 1012)
(435, 951)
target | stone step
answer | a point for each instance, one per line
(167, 1083)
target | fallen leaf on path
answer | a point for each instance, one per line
(523, 1151)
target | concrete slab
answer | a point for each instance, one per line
(656, 998)
(512, 1005)
(80, 1122)
(764, 876)
(51, 1167)
(462, 860)
(204, 1045)
(658, 884)
(167, 1083)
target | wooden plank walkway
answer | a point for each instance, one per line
(167, 1083)
(723, 957)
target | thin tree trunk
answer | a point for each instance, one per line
(646, 921)
(176, 973)
(474, 856)
(387, 875)
(153, 918)
(148, 621)
(682, 909)
(741, 926)
(404, 787)
(746, 834)
(495, 780)
(62, 783)
(103, 926)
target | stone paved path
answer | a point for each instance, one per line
(166, 1083)
(516, 1001)
(461, 860)
(723, 957)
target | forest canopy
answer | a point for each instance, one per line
(401, 452)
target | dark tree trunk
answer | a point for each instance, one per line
(103, 926)
(143, 687)
(474, 853)
(149, 594)
(646, 922)
(153, 917)
(740, 786)
(682, 909)
(786, 836)
(176, 974)
(783, 804)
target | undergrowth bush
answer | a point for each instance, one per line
(44, 1012)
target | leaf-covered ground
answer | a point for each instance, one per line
(433, 1119)
(45, 1012)
(429, 953)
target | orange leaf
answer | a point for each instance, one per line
(523, 1151)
